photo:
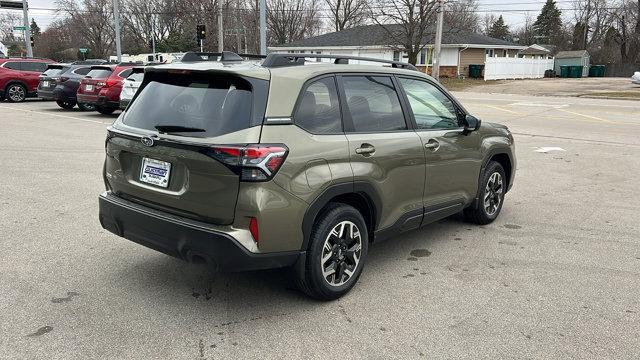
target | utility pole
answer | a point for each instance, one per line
(586, 24)
(27, 28)
(220, 31)
(435, 72)
(263, 27)
(153, 39)
(116, 20)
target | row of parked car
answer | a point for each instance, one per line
(91, 85)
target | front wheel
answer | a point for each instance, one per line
(16, 93)
(491, 196)
(337, 253)
(66, 104)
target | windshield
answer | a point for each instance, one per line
(218, 105)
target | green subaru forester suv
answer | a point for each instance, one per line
(249, 165)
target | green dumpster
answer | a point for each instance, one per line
(575, 71)
(599, 70)
(564, 71)
(475, 71)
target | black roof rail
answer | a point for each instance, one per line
(90, 62)
(280, 60)
(217, 56)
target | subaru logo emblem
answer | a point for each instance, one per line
(147, 141)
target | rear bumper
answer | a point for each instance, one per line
(182, 238)
(124, 103)
(104, 102)
(46, 94)
(87, 99)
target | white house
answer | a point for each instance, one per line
(459, 49)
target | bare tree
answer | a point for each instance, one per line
(347, 13)
(462, 16)
(406, 23)
(92, 20)
(487, 22)
(290, 20)
(7, 21)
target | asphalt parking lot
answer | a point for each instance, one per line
(556, 276)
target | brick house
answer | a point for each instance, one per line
(459, 49)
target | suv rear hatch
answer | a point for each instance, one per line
(95, 80)
(50, 77)
(179, 145)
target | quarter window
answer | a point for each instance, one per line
(319, 111)
(373, 104)
(431, 108)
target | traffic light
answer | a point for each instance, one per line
(31, 41)
(201, 32)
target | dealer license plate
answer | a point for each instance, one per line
(88, 87)
(155, 172)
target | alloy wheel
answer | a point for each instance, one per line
(341, 253)
(16, 93)
(493, 194)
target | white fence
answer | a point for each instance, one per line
(497, 68)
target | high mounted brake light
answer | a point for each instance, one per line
(254, 162)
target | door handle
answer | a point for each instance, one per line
(432, 145)
(365, 149)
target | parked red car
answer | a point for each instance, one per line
(19, 77)
(102, 86)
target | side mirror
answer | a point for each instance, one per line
(471, 123)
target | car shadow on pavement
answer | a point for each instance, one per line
(171, 282)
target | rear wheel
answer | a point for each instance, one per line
(86, 107)
(491, 196)
(105, 111)
(337, 253)
(66, 104)
(16, 93)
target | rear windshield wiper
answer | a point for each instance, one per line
(177, 128)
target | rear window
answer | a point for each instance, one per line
(99, 73)
(136, 77)
(55, 71)
(217, 104)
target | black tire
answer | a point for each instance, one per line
(86, 107)
(15, 92)
(485, 214)
(105, 111)
(313, 283)
(66, 104)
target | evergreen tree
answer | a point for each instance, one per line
(499, 29)
(577, 42)
(35, 29)
(548, 25)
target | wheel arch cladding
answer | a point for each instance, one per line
(504, 160)
(360, 195)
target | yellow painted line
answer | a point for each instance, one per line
(588, 116)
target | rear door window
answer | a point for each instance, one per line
(34, 66)
(373, 103)
(319, 111)
(215, 104)
(99, 73)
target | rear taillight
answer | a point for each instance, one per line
(254, 162)
(100, 83)
(111, 82)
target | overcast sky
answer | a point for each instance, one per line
(513, 11)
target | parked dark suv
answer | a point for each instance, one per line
(249, 165)
(65, 83)
(19, 77)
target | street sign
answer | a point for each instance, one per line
(11, 4)
(83, 50)
(22, 28)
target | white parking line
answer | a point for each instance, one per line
(56, 115)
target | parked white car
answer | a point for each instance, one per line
(130, 85)
(636, 78)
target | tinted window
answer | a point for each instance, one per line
(373, 103)
(54, 71)
(99, 73)
(14, 65)
(123, 74)
(82, 71)
(431, 108)
(218, 105)
(319, 111)
(136, 76)
(33, 66)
